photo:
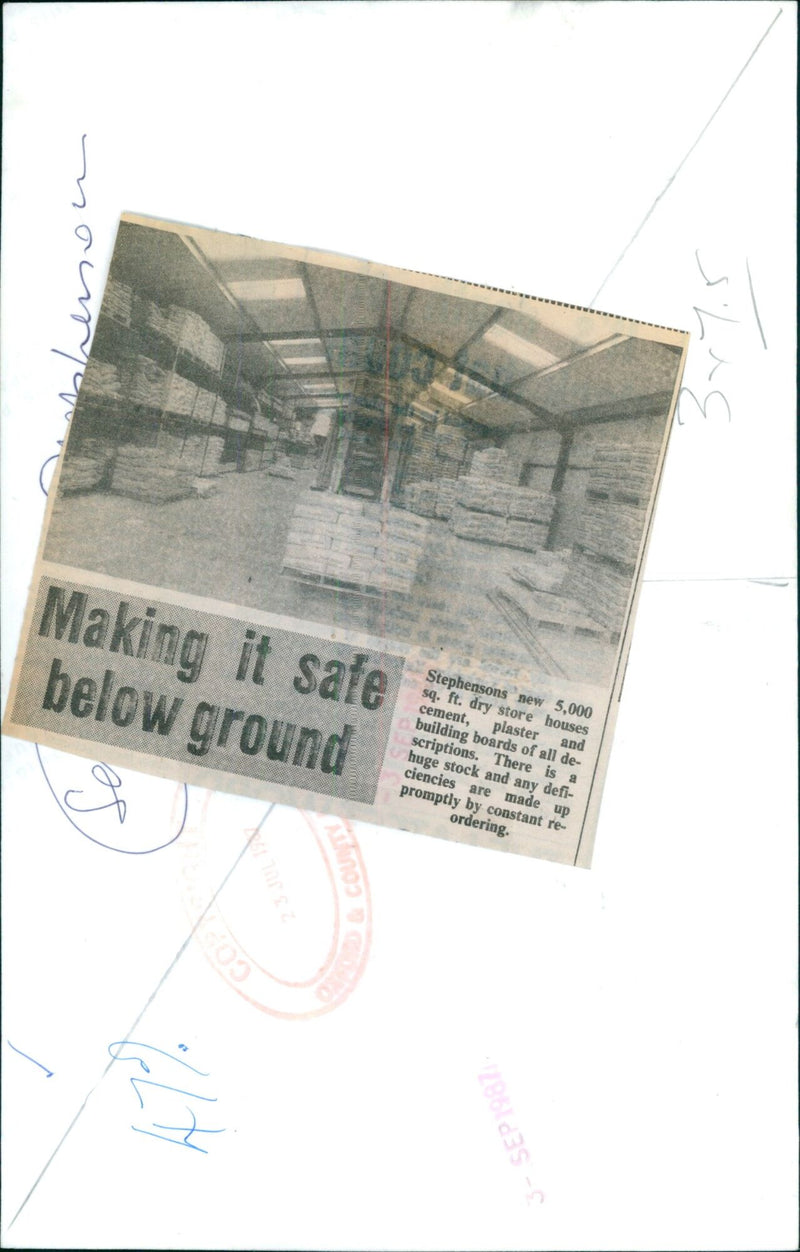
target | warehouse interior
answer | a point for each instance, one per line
(331, 446)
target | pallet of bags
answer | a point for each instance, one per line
(150, 316)
(622, 473)
(101, 378)
(611, 529)
(80, 473)
(343, 540)
(421, 498)
(180, 395)
(196, 337)
(212, 455)
(219, 412)
(145, 382)
(493, 465)
(601, 587)
(118, 301)
(149, 474)
(193, 451)
(205, 405)
(281, 467)
(529, 505)
(446, 493)
(87, 466)
(480, 527)
(482, 497)
(528, 535)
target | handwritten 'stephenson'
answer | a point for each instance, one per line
(349, 537)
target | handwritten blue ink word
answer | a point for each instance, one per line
(83, 233)
(157, 1103)
(716, 332)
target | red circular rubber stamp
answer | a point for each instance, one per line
(289, 930)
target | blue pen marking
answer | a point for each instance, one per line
(107, 777)
(48, 1072)
(120, 1043)
(139, 1084)
(83, 233)
(190, 1130)
(104, 776)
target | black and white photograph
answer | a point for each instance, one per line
(335, 446)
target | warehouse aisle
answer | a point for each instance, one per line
(234, 539)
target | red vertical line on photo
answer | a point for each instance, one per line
(386, 428)
(341, 424)
(385, 505)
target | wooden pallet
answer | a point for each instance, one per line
(549, 611)
(523, 630)
(330, 582)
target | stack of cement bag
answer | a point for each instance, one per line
(118, 301)
(84, 468)
(151, 474)
(101, 378)
(489, 509)
(344, 540)
(624, 474)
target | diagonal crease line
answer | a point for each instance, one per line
(680, 166)
(141, 1013)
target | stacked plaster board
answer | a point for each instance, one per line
(342, 540)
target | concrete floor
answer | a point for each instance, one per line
(229, 547)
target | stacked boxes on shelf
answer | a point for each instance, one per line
(355, 542)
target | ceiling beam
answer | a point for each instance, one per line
(655, 404)
(602, 346)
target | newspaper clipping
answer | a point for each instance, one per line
(348, 537)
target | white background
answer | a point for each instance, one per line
(643, 1013)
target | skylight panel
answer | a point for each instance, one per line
(268, 289)
(304, 360)
(280, 344)
(515, 345)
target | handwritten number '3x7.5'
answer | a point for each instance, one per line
(137, 1083)
(714, 319)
